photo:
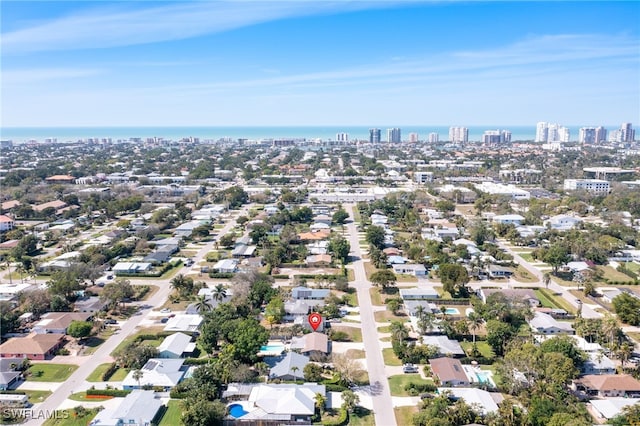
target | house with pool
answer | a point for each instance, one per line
(281, 404)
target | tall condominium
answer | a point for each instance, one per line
(394, 135)
(592, 134)
(374, 135)
(434, 138)
(496, 136)
(458, 134)
(413, 137)
(552, 132)
(628, 134)
(342, 137)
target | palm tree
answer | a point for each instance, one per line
(203, 304)
(321, 402)
(624, 353)
(137, 375)
(294, 369)
(475, 321)
(219, 292)
(546, 279)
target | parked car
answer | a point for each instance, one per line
(164, 320)
(409, 368)
(165, 310)
(110, 321)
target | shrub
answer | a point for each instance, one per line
(109, 372)
(108, 392)
(341, 420)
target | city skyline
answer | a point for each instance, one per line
(310, 63)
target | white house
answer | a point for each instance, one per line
(416, 269)
(485, 401)
(6, 223)
(425, 293)
(562, 222)
(161, 372)
(175, 345)
(226, 266)
(139, 408)
(507, 219)
(184, 322)
(545, 324)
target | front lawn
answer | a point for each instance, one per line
(398, 383)
(390, 358)
(96, 375)
(376, 297)
(172, 415)
(83, 397)
(523, 275)
(386, 316)
(361, 417)
(72, 417)
(354, 333)
(613, 275)
(483, 347)
(355, 353)
(404, 415)
(50, 372)
(131, 338)
(36, 396)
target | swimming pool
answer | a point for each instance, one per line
(452, 311)
(271, 349)
(237, 410)
(484, 377)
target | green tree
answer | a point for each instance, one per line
(340, 248)
(79, 329)
(340, 216)
(556, 256)
(627, 308)
(375, 236)
(384, 278)
(454, 278)
(247, 337)
(227, 240)
(498, 335)
(312, 373)
(182, 284)
(350, 400)
(274, 311)
(200, 412)
(203, 304)
(393, 305)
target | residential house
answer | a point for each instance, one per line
(318, 260)
(486, 402)
(306, 293)
(562, 222)
(12, 291)
(9, 375)
(608, 294)
(609, 408)
(186, 229)
(165, 373)
(598, 363)
(396, 260)
(523, 294)
(226, 266)
(57, 322)
(318, 247)
(323, 218)
(159, 257)
(545, 324)
(283, 404)
(36, 347)
(312, 344)
(139, 408)
(608, 385)
(415, 269)
(6, 223)
(446, 346)
(508, 219)
(449, 372)
(177, 345)
(315, 227)
(184, 323)
(241, 250)
(287, 367)
(424, 293)
(497, 271)
(90, 305)
(131, 268)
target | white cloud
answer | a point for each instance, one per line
(124, 26)
(37, 75)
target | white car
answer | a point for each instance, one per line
(165, 310)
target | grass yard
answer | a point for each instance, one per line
(50, 372)
(36, 396)
(523, 275)
(526, 256)
(404, 278)
(355, 353)
(549, 300)
(483, 347)
(131, 338)
(613, 275)
(96, 375)
(386, 316)
(632, 266)
(369, 269)
(82, 397)
(92, 343)
(361, 417)
(70, 418)
(404, 415)
(172, 414)
(376, 297)
(633, 335)
(351, 276)
(384, 329)
(355, 334)
(352, 299)
(398, 383)
(390, 358)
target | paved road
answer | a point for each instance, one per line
(587, 311)
(77, 381)
(381, 395)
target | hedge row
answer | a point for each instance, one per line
(221, 275)
(196, 361)
(420, 387)
(342, 419)
(280, 277)
(109, 372)
(108, 392)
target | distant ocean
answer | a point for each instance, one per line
(74, 134)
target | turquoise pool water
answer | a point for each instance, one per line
(237, 411)
(484, 377)
(452, 311)
(271, 348)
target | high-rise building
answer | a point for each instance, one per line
(458, 134)
(496, 136)
(374, 135)
(628, 134)
(434, 138)
(592, 134)
(413, 137)
(394, 135)
(552, 132)
(342, 137)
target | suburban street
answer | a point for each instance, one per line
(77, 381)
(380, 393)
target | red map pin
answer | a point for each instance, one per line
(315, 319)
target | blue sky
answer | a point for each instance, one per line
(236, 63)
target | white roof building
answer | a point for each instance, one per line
(545, 324)
(175, 345)
(162, 372)
(485, 401)
(610, 407)
(184, 322)
(138, 408)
